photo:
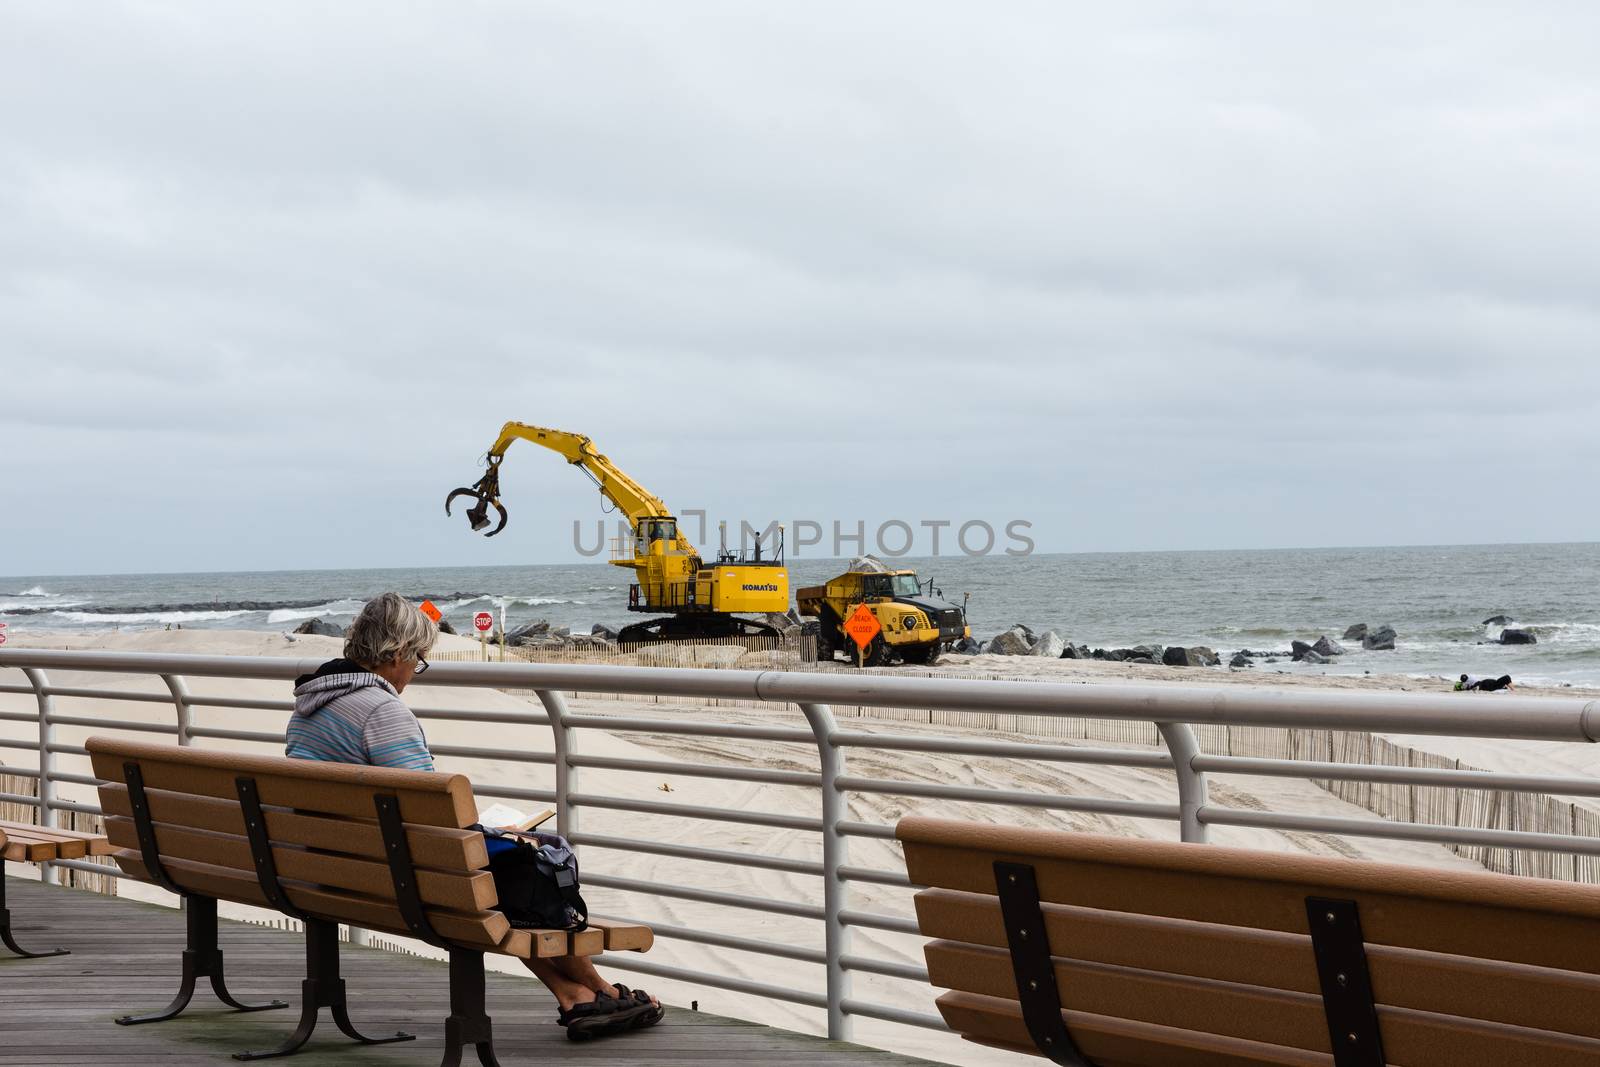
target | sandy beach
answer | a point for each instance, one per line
(1086, 780)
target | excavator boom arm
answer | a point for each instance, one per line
(629, 497)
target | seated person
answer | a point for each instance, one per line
(350, 711)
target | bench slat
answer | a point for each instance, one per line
(624, 937)
(546, 944)
(20, 851)
(97, 845)
(1408, 1037)
(549, 943)
(1116, 1042)
(1497, 992)
(305, 785)
(486, 930)
(1250, 1013)
(460, 892)
(1530, 921)
(75, 835)
(68, 849)
(437, 848)
(589, 942)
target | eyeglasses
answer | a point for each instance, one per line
(422, 665)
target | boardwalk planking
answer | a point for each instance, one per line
(58, 1011)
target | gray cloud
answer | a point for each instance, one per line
(1175, 276)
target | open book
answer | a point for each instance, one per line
(505, 817)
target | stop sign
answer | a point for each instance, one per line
(483, 622)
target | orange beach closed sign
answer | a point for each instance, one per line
(862, 626)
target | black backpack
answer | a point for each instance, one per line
(537, 885)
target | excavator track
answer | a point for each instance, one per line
(690, 627)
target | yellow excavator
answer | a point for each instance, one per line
(696, 597)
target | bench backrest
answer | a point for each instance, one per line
(322, 822)
(1167, 953)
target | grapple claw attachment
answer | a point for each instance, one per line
(501, 508)
(486, 493)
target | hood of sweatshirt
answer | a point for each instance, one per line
(332, 680)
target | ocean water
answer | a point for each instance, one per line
(1435, 597)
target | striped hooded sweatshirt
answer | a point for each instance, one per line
(343, 713)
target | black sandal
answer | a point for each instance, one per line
(639, 996)
(602, 1017)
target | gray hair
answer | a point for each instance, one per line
(390, 628)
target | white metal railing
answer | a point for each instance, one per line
(1175, 710)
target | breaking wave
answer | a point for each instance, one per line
(237, 607)
(91, 617)
(348, 606)
(268, 612)
(31, 606)
(27, 607)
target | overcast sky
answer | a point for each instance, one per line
(1147, 276)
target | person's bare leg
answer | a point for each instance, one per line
(567, 991)
(579, 969)
(572, 980)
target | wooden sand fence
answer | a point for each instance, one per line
(792, 649)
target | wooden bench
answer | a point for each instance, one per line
(24, 842)
(325, 843)
(1118, 952)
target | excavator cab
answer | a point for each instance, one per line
(651, 531)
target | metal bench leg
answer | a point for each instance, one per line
(322, 988)
(468, 1023)
(201, 959)
(5, 927)
(1018, 890)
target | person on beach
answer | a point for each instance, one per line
(349, 711)
(1484, 685)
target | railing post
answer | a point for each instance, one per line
(566, 773)
(835, 854)
(180, 702)
(185, 719)
(47, 763)
(1183, 747)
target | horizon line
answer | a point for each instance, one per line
(807, 559)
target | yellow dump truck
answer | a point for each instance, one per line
(915, 626)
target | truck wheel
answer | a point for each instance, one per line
(921, 655)
(878, 652)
